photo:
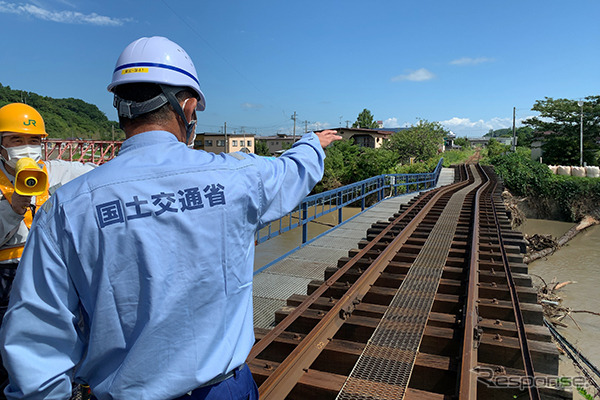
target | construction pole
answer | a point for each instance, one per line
(294, 118)
(514, 141)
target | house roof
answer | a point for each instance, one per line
(278, 137)
(229, 134)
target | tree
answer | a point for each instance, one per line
(65, 118)
(261, 148)
(422, 141)
(495, 148)
(365, 120)
(559, 121)
(373, 162)
(340, 165)
(525, 135)
(462, 142)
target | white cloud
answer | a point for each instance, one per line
(251, 106)
(391, 123)
(67, 17)
(418, 75)
(317, 126)
(471, 61)
(466, 127)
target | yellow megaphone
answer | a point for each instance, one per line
(30, 178)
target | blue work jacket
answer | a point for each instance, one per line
(137, 276)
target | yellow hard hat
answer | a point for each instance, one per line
(22, 119)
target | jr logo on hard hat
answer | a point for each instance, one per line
(30, 122)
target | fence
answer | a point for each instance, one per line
(315, 206)
(94, 151)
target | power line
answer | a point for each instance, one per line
(231, 65)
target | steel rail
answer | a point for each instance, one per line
(286, 322)
(534, 393)
(468, 379)
(284, 378)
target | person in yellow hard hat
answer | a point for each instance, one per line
(22, 129)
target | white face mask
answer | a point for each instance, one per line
(191, 128)
(15, 153)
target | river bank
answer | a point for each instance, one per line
(578, 261)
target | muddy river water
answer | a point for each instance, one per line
(578, 261)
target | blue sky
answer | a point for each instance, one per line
(465, 64)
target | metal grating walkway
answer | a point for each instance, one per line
(276, 284)
(384, 368)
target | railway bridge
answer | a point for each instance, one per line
(422, 296)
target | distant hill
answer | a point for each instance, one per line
(66, 118)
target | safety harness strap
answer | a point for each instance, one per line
(7, 189)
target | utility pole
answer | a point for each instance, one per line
(294, 117)
(225, 133)
(347, 122)
(514, 141)
(113, 132)
(243, 143)
(305, 126)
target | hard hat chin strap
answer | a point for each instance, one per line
(170, 92)
(131, 109)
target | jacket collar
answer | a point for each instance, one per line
(147, 139)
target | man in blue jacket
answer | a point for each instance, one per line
(137, 277)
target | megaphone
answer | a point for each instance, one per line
(30, 178)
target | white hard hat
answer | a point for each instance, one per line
(157, 60)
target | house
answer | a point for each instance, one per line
(277, 144)
(220, 143)
(449, 141)
(364, 137)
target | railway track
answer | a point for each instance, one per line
(434, 304)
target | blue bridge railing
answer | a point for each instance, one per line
(317, 205)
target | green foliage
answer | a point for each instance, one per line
(373, 162)
(365, 120)
(66, 118)
(561, 149)
(521, 175)
(452, 157)
(261, 148)
(340, 165)
(525, 135)
(417, 168)
(463, 142)
(523, 151)
(421, 141)
(559, 121)
(574, 196)
(495, 148)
